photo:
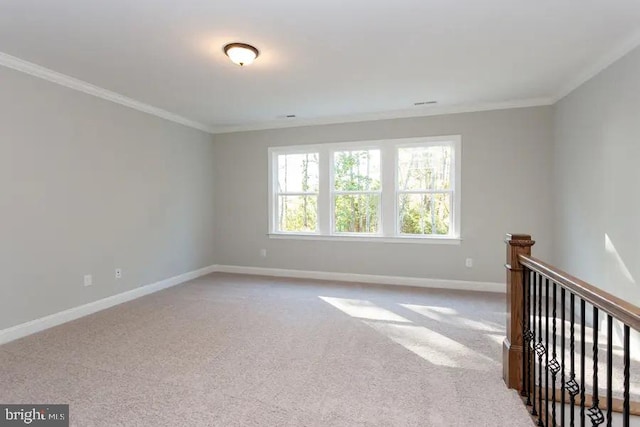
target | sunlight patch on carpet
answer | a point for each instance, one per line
(430, 345)
(452, 317)
(434, 347)
(363, 309)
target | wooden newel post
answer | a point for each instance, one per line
(517, 244)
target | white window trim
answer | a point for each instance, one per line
(389, 218)
(456, 200)
(362, 237)
(273, 193)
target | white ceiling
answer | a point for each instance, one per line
(329, 60)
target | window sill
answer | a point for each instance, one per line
(377, 239)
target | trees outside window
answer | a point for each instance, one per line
(424, 189)
(356, 191)
(297, 193)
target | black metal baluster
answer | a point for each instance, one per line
(540, 350)
(594, 411)
(572, 385)
(582, 367)
(554, 366)
(525, 332)
(562, 391)
(534, 412)
(546, 366)
(627, 362)
(609, 369)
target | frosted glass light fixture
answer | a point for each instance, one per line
(241, 53)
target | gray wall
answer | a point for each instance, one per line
(87, 186)
(597, 180)
(506, 187)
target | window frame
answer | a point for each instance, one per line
(389, 215)
(454, 198)
(274, 194)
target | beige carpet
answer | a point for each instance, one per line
(231, 350)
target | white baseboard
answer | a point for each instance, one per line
(37, 325)
(366, 278)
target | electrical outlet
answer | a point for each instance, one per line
(88, 280)
(118, 273)
(469, 262)
(263, 253)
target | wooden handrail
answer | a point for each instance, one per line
(619, 309)
(525, 350)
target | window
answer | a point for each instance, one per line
(406, 189)
(424, 189)
(297, 193)
(356, 191)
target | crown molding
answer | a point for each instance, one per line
(588, 73)
(85, 87)
(386, 115)
(599, 66)
(612, 56)
(47, 74)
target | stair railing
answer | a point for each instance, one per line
(540, 358)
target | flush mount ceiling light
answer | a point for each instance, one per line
(241, 53)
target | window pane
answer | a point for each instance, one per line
(357, 213)
(425, 213)
(298, 213)
(298, 173)
(425, 168)
(356, 170)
